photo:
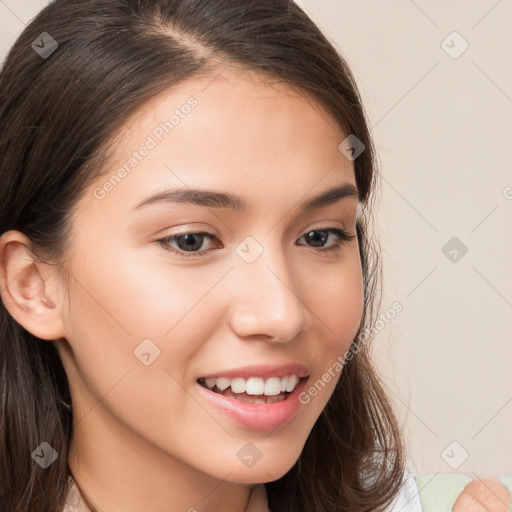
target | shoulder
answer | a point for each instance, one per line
(73, 503)
(408, 499)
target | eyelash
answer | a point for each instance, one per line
(343, 237)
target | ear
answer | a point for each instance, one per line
(29, 287)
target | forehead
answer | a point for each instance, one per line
(236, 130)
(234, 93)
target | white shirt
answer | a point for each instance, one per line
(408, 500)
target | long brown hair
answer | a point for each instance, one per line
(58, 111)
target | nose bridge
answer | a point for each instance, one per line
(269, 302)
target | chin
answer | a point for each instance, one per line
(267, 469)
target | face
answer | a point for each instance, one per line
(171, 301)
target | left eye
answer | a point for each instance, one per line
(189, 243)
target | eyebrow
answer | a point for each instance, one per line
(215, 199)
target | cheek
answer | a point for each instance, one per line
(125, 312)
(122, 310)
(338, 303)
(119, 300)
(140, 294)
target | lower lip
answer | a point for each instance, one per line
(262, 417)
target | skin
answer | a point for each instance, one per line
(487, 495)
(143, 434)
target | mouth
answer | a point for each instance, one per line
(253, 390)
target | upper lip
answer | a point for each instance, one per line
(262, 370)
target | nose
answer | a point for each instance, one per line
(266, 302)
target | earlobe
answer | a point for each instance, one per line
(24, 289)
(48, 302)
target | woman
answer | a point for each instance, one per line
(186, 249)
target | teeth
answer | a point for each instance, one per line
(210, 383)
(293, 380)
(273, 386)
(255, 385)
(222, 383)
(238, 385)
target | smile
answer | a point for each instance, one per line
(272, 386)
(255, 403)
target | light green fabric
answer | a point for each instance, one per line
(439, 492)
(506, 480)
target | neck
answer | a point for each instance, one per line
(117, 469)
(112, 478)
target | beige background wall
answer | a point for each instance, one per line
(441, 116)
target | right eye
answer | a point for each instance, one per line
(186, 242)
